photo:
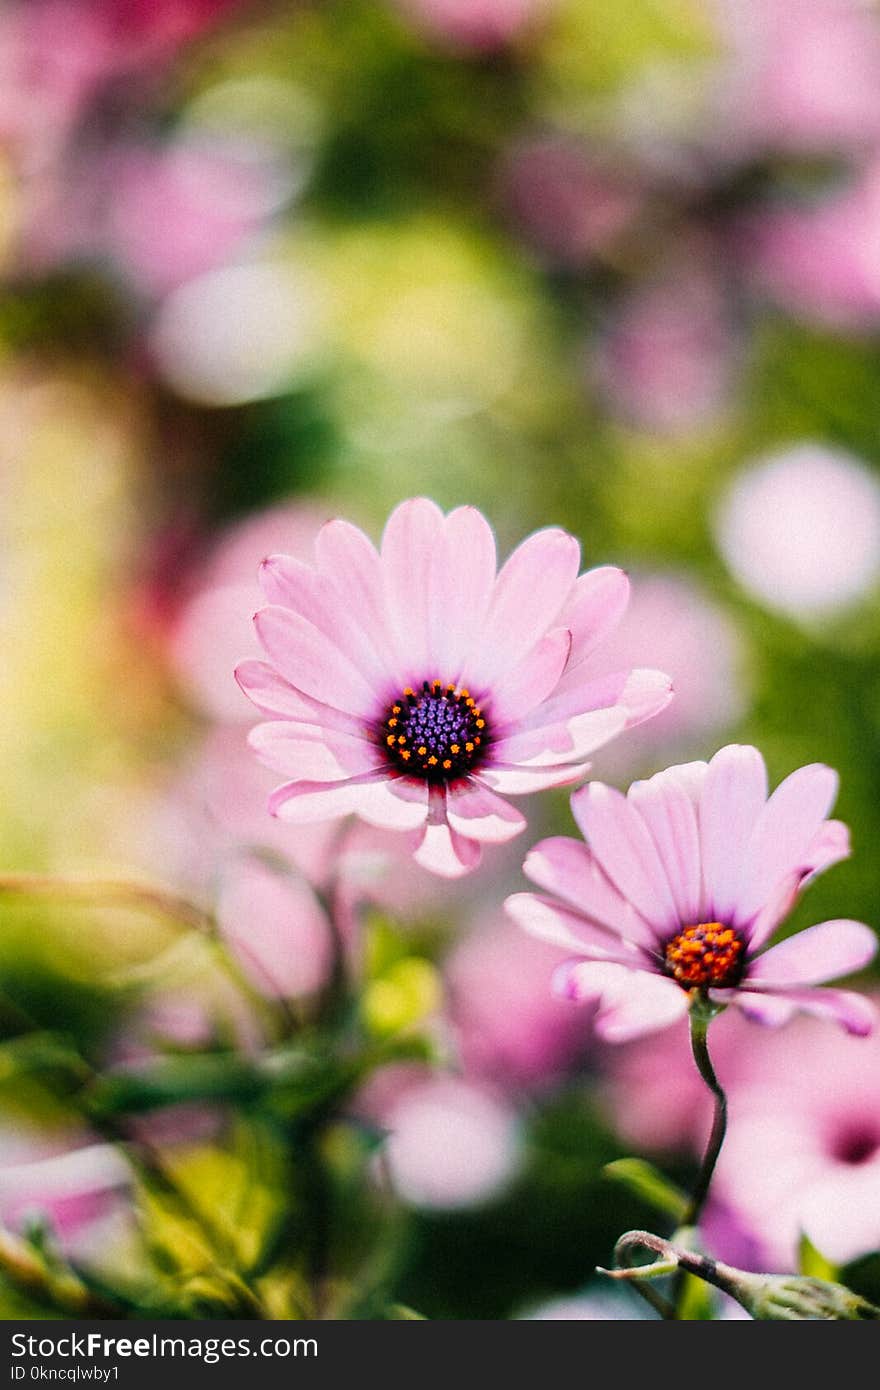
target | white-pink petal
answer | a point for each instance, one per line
(567, 869)
(621, 843)
(273, 695)
(666, 806)
(510, 780)
(303, 751)
(311, 661)
(478, 813)
(529, 592)
(463, 584)
(733, 796)
(301, 803)
(527, 684)
(630, 1002)
(782, 835)
(412, 538)
(549, 921)
(596, 606)
(824, 952)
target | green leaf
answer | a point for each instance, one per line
(811, 1261)
(646, 1182)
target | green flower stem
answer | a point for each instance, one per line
(700, 1018)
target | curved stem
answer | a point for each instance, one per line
(700, 1020)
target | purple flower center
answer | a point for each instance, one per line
(856, 1144)
(437, 733)
(708, 953)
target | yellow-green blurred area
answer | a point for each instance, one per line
(326, 256)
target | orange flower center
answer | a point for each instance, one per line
(706, 954)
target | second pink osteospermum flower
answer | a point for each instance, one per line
(681, 884)
(417, 687)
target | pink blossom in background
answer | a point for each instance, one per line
(515, 1033)
(800, 530)
(673, 624)
(72, 1181)
(567, 203)
(277, 929)
(802, 1153)
(820, 260)
(653, 1095)
(476, 25)
(800, 75)
(679, 887)
(212, 627)
(211, 199)
(451, 1143)
(412, 687)
(667, 359)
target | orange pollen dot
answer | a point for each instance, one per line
(447, 763)
(708, 953)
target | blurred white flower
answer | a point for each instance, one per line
(235, 335)
(800, 530)
(451, 1144)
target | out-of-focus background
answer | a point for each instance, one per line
(607, 264)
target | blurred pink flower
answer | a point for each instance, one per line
(374, 658)
(820, 260)
(654, 1096)
(597, 1305)
(212, 627)
(71, 1181)
(800, 530)
(476, 25)
(451, 1143)
(667, 359)
(685, 880)
(568, 204)
(674, 625)
(516, 1033)
(275, 926)
(800, 75)
(802, 1153)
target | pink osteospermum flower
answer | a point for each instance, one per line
(681, 884)
(416, 687)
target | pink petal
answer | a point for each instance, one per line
(301, 803)
(852, 1011)
(349, 561)
(272, 694)
(289, 583)
(302, 751)
(311, 661)
(462, 590)
(413, 535)
(529, 592)
(567, 869)
(767, 1009)
(595, 608)
(477, 813)
(625, 850)
(531, 680)
(521, 781)
(782, 835)
(823, 952)
(828, 847)
(441, 849)
(631, 1002)
(275, 926)
(665, 805)
(734, 794)
(580, 717)
(841, 1214)
(549, 921)
(548, 744)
